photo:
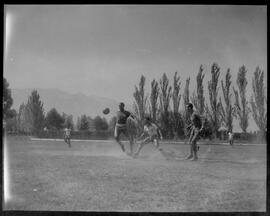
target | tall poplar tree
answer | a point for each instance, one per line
(257, 101)
(241, 109)
(212, 111)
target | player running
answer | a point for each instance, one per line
(67, 136)
(121, 127)
(152, 133)
(196, 126)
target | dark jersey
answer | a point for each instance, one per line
(121, 117)
(196, 120)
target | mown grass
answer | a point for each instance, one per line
(49, 176)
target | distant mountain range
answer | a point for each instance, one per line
(75, 104)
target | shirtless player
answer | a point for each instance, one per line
(121, 127)
(197, 126)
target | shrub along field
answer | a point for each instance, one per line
(97, 176)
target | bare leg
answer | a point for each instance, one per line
(190, 153)
(190, 149)
(144, 142)
(117, 138)
(68, 142)
(138, 150)
(156, 144)
(194, 149)
(120, 144)
(131, 142)
(194, 145)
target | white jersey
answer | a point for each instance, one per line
(230, 136)
(151, 130)
(67, 132)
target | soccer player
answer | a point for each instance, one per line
(197, 126)
(152, 133)
(121, 127)
(230, 134)
(67, 136)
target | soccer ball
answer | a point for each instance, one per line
(106, 111)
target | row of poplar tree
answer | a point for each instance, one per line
(163, 102)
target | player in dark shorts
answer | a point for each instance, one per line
(121, 127)
(196, 127)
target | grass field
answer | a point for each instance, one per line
(96, 176)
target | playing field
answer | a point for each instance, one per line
(96, 176)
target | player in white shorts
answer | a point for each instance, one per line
(230, 134)
(67, 136)
(152, 133)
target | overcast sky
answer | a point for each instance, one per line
(103, 50)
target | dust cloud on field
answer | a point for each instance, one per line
(108, 149)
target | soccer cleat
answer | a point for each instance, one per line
(194, 159)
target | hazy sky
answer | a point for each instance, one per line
(103, 50)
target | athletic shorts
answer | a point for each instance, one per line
(195, 134)
(120, 129)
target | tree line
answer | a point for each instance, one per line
(162, 104)
(31, 117)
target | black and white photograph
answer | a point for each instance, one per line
(134, 108)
